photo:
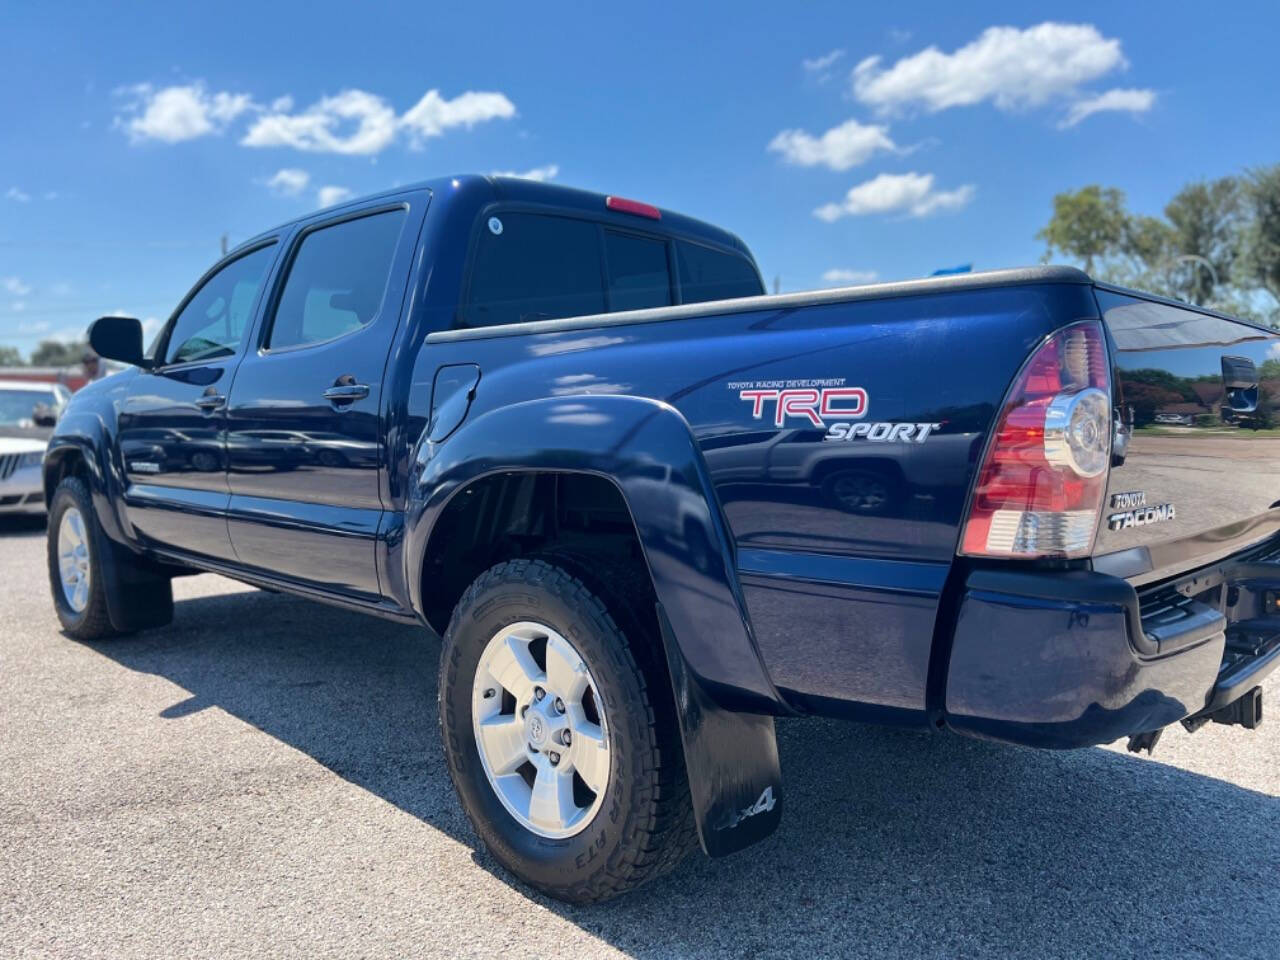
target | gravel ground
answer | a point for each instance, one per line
(263, 778)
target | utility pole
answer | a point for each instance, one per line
(224, 244)
(777, 283)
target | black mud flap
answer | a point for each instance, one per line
(731, 758)
(138, 598)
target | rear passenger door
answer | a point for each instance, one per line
(306, 416)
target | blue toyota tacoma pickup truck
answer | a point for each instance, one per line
(650, 509)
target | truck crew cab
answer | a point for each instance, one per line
(649, 509)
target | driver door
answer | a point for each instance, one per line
(172, 421)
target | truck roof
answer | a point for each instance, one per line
(505, 189)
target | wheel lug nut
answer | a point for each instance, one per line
(538, 693)
(488, 694)
(559, 705)
(553, 757)
(566, 738)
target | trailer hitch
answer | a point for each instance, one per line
(1245, 711)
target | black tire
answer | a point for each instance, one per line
(126, 592)
(644, 827)
(94, 621)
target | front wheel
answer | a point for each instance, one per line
(75, 563)
(99, 589)
(562, 747)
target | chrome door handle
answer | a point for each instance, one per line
(347, 392)
(210, 401)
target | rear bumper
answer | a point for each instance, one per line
(1073, 659)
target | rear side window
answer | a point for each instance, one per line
(534, 267)
(707, 274)
(638, 274)
(337, 280)
(214, 321)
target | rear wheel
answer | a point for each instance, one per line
(570, 776)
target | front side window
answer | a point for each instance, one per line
(214, 321)
(337, 280)
(709, 274)
(638, 274)
(534, 267)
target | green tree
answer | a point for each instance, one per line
(1087, 225)
(1205, 221)
(10, 357)
(58, 353)
(1260, 232)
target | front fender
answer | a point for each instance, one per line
(723, 695)
(82, 434)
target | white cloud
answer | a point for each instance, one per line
(17, 195)
(839, 148)
(548, 172)
(823, 63)
(288, 181)
(433, 115)
(842, 276)
(15, 287)
(17, 306)
(178, 113)
(356, 122)
(352, 122)
(330, 195)
(1012, 68)
(1129, 101)
(911, 194)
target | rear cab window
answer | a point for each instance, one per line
(534, 267)
(548, 266)
(710, 274)
(639, 275)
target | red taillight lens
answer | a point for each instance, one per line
(1041, 487)
(623, 205)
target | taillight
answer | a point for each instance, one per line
(1041, 486)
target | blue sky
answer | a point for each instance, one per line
(132, 139)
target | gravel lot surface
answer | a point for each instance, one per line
(263, 778)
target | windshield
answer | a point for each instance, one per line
(16, 406)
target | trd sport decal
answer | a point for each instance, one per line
(818, 403)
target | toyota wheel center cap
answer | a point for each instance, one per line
(536, 729)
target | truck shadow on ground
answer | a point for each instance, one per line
(935, 844)
(22, 525)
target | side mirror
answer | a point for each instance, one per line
(43, 415)
(118, 338)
